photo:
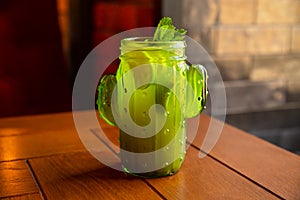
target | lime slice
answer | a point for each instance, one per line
(105, 89)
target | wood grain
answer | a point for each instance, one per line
(36, 123)
(16, 179)
(39, 144)
(34, 196)
(80, 176)
(207, 179)
(264, 163)
(35, 136)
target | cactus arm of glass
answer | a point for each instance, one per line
(105, 90)
(196, 90)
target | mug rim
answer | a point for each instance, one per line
(147, 41)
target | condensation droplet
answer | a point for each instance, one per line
(125, 90)
(199, 98)
(181, 158)
(167, 113)
(167, 131)
(166, 164)
(183, 124)
(199, 82)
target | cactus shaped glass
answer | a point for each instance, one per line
(149, 99)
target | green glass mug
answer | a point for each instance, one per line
(149, 99)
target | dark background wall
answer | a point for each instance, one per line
(43, 43)
(33, 76)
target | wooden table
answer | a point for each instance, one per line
(42, 157)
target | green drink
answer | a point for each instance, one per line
(155, 90)
(160, 62)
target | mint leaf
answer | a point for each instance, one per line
(166, 31)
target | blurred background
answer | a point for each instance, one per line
(255, 44)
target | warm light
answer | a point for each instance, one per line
(11, 131)
(9, 144)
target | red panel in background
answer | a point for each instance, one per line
(127, 17)
(113, 17)
(145, 17)
(105, 15)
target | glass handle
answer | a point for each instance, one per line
(201, 69)
(196, 90)
(105, 90)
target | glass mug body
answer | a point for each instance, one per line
(164, 61)
(155, 91)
